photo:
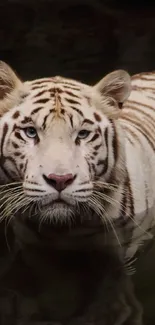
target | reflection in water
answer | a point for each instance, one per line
(74, 280)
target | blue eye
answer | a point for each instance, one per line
(83, 134)
(30, 132)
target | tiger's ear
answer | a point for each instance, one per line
(10, 87)
(116, 85)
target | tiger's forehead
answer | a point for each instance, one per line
(57, 94)
(62, 85)
(57, 80)
(44, 100)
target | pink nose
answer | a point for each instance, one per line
(59, 182)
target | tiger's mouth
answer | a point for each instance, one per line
(58, 202)
(57, 209)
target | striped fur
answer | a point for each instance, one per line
(113, 165)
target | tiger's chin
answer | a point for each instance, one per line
(58, 212)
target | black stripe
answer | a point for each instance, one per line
(36, 110)
(100, 162)
(17, 153)
(37, 87)
(30, 182)
(77, 110)
(34, 190)
(132, 210)
(106, 159)
(146, 198)
(97, 147)
(71, 120)
(40, 93)
(68, 84)
(15, 145)
(114, 141)
(83, 183)
(54, 90)
(77, 141)
(140, 104)
(5, 130)
(143, 77)
(82, 196)
(42, 81)
(148, 116)
(21, 166)
(18, 136)
(26, 120)
(93, 168)
(83, 190)
(72, 101)
(44, 123)
(41, 101)
(96, 136)
(89, 165)
(25, 166)
(16, 115)
(134, 87)
(70, 87)
(138, 128)
(122, 212)
(131, 142)
(88, 121)
(62, 111)
(72, 94)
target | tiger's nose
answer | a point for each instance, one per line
(59, 182)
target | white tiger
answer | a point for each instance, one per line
(80, 153)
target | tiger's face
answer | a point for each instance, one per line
(59, 138)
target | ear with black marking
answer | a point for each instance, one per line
(116, 85)
(10, 87)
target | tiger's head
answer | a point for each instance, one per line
(60, 140)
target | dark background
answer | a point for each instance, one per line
(82, 39)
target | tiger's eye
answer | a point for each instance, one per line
(83, 134)
(30, 132)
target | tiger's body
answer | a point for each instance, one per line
(138, 121)
(80, 159)
(78, 153)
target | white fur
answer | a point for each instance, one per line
(57, 152)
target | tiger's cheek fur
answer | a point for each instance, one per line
(14, 152)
